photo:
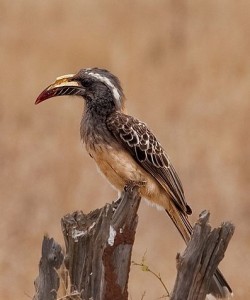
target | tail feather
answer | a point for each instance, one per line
(219, 286)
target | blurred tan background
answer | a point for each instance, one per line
(185, 70)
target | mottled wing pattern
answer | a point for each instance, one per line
(144, 147)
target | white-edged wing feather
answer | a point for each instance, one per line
(147, 151)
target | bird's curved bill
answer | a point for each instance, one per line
(64, 85)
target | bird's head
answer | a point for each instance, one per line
(96, 86)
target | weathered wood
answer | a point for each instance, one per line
(98, 255)
(99, 248)
(47, 283)
(199, 261)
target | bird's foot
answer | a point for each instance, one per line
(133, 183)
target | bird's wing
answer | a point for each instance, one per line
(147, 151)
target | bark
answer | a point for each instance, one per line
(47, 283)
(200, 259)
(99, 247)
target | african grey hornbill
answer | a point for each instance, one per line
(125, 150)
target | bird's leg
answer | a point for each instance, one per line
(130, 184)
(133, 183)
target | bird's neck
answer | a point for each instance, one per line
(93, 125)
(100, 108)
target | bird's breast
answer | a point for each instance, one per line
(116, 165)
(119, 167)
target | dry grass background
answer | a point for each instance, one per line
(185, 69)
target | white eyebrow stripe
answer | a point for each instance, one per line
(109, 83)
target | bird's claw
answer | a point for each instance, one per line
(132, 183)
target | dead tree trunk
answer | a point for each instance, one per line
(47, 283)
(98, 254)
(99, 247)
(201, 258)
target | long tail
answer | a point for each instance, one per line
(219, 286)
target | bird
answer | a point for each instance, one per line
(125, 149)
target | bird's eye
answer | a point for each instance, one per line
(86, 82)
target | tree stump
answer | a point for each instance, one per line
(99, 247)
(200, 259)
(98, 254)
(47, 283)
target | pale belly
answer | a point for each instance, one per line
(120, 168)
